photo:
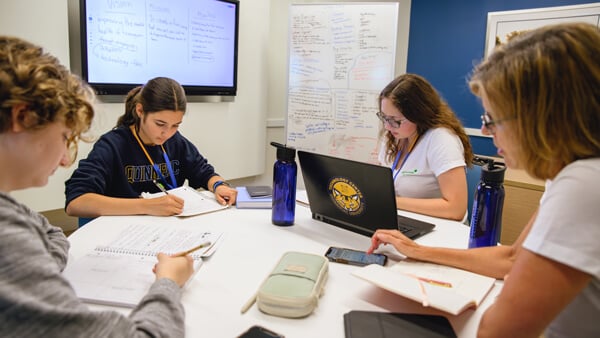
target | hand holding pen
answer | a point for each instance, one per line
(167, 205)
(178, 267)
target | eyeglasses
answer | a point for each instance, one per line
(488, 122)
(390, 121)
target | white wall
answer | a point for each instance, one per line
(231, 135)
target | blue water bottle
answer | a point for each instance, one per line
(486, 217)
(285, 172)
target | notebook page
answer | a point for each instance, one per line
(145, 239)
(113, 278)
(195, 202)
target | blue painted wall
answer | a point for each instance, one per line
(447, 38)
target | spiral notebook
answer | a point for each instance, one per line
(120, 273)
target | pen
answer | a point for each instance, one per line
(160, 186)
(189, 251)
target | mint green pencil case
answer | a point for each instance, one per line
(294, 286)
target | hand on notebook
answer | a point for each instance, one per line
(178, 269)
(226, 195)
(403, 244)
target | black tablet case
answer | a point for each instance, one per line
(369, 324)
(258, 190)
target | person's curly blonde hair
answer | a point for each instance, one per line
(34, 78)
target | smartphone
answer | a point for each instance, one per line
(258, 331)
(354, 257)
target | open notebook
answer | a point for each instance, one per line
(195, 202)
(120, 273)
(442, 287)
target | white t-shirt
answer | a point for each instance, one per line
(438, 151)
(567, 230)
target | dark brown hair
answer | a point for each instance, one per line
(420, 103)
(160, 93)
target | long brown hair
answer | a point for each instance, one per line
(421, 104)
(548, 81)
(160, 93)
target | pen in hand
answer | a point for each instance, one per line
(160, 186)
(189, 251)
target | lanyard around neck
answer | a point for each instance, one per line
(173, 184)
(410, 149)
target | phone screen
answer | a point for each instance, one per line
(354, 257)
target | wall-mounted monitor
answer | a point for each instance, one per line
(124, 43)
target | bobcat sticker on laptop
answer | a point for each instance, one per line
(346, 196)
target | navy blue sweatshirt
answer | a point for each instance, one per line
(117, 166)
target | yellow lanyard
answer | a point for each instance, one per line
(132, 127)
(154, 165)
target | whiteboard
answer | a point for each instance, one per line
(341, 55)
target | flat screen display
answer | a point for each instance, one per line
(125, 43)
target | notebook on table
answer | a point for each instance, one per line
(354, 195)
(121, 272)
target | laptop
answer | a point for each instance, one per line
(354, 195)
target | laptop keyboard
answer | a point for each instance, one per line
(403, 229)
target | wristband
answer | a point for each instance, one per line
(218, 183)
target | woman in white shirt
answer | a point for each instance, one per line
(426, 146)
(541, 95)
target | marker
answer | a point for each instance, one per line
(160, 186)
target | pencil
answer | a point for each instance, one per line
(430, 281)
(435, 282)
(189, 251)
(248, 304)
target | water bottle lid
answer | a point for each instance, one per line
(493, 172)
(284, 153)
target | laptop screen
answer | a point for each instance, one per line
(354, 195)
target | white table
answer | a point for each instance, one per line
(250, 249)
